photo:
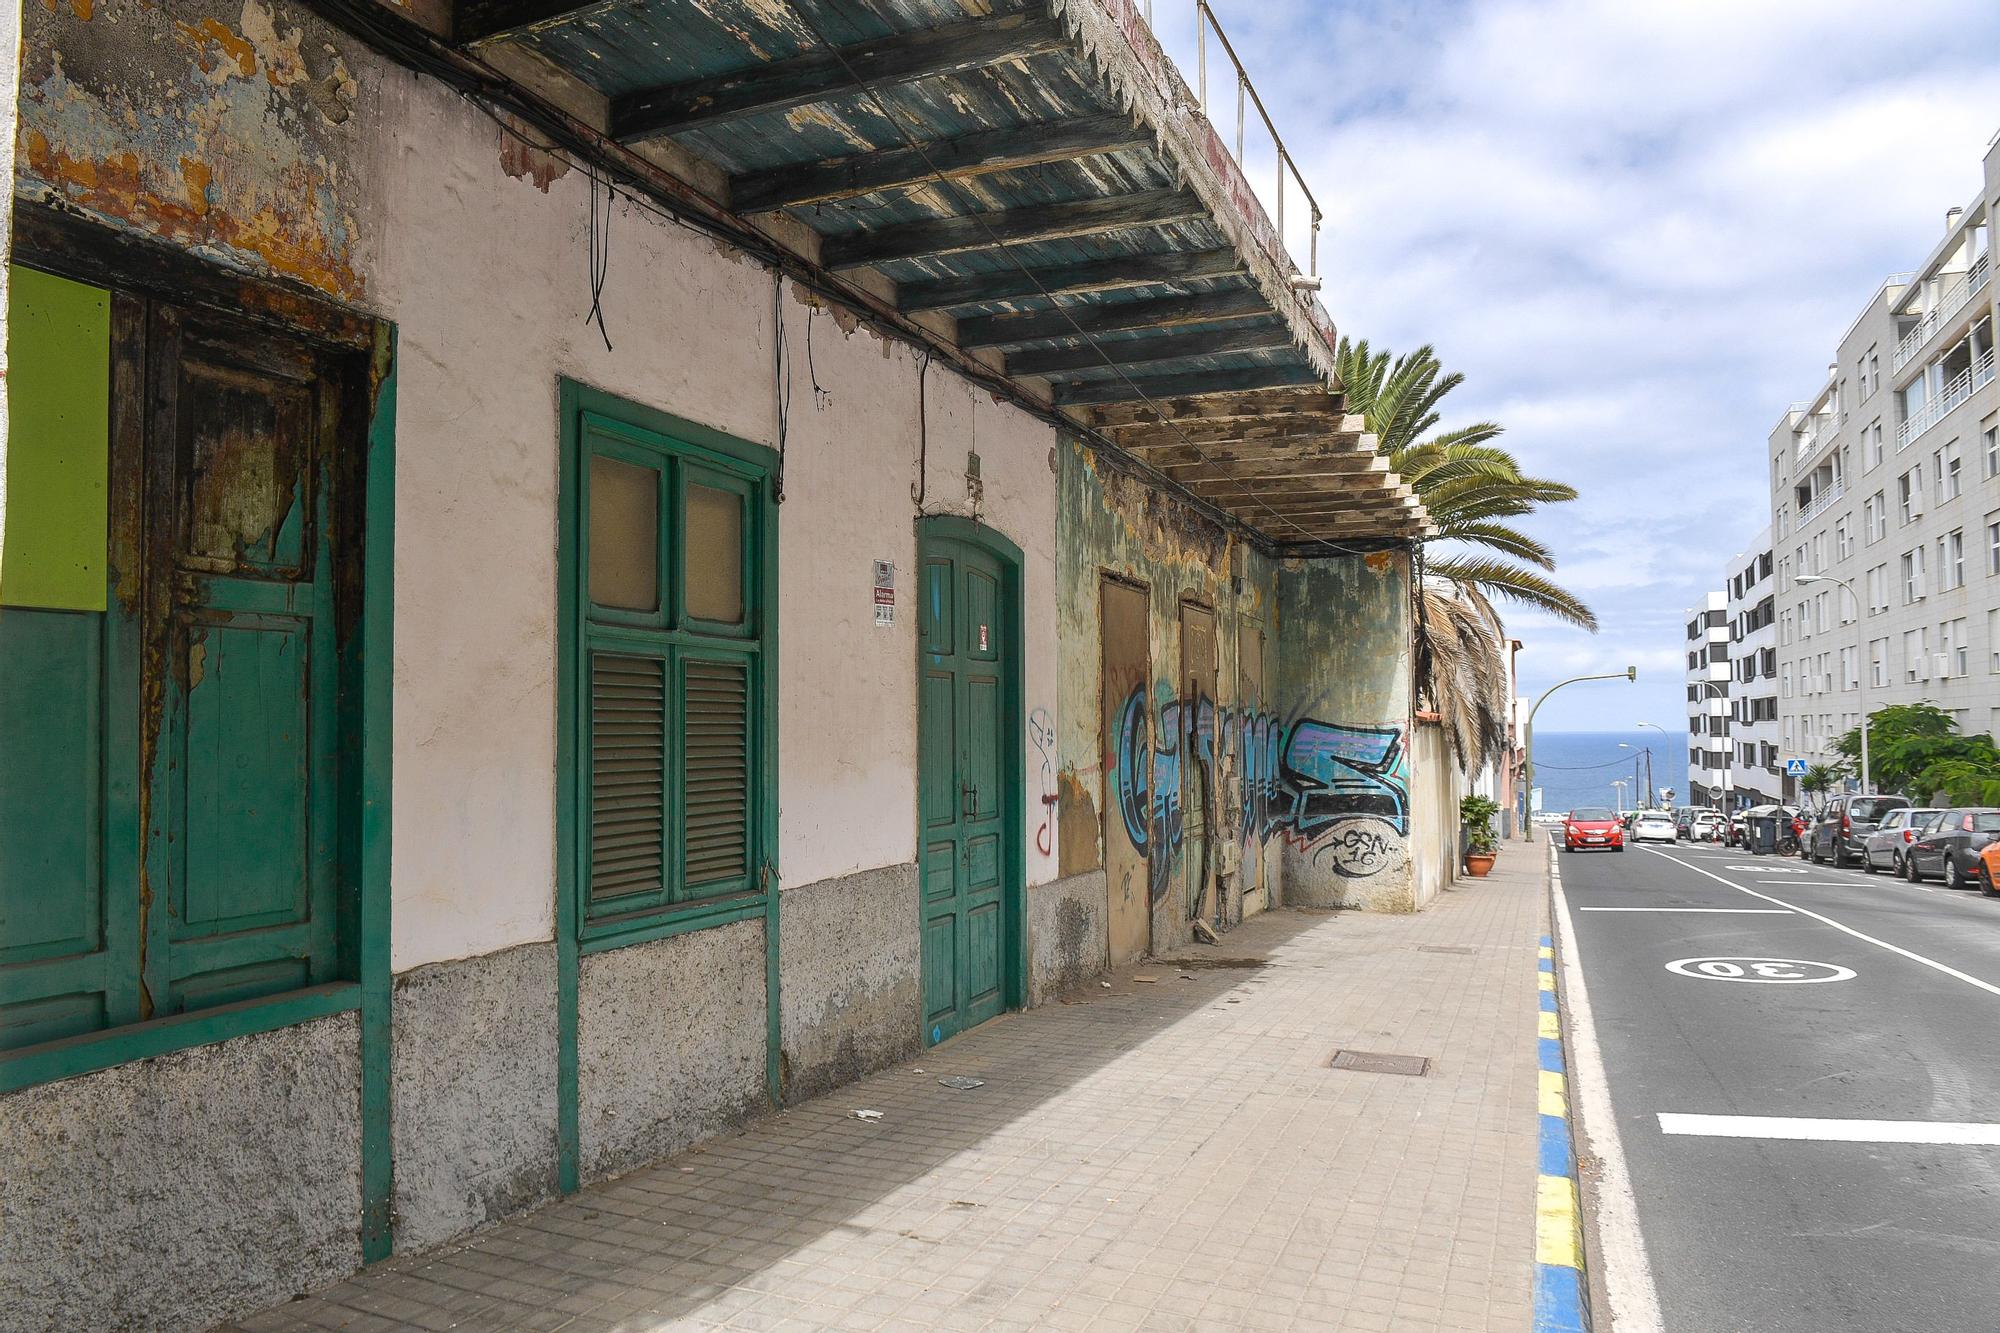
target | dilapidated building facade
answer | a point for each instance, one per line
(576, 572)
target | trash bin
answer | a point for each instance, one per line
(1763, 835)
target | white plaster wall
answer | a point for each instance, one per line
(485, 276)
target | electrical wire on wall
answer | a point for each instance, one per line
(920, 487)
(781, 379)
(600, 254)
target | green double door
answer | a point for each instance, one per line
(969, 860)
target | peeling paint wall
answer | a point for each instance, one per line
(1342, 767)
(225, 129)
(1115, 525)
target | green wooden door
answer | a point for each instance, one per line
(964, 724)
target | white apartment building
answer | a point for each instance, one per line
(1708, 682)
(1888, 481)
(1756, 767)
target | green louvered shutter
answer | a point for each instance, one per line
(628, 732)
(717, 775)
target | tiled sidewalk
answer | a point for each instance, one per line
(1170, 1154)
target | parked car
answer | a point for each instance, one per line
(1593, 826)
(1653, 826)
(1684, 820)
(1844, 824)
(1739, 831)
(1883, 849)
(1708, 826)
(1950, 847)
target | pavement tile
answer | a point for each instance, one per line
(1165, 1156)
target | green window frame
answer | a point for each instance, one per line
(667, 743)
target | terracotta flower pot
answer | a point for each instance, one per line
(1478, 863)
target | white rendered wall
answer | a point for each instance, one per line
(485, 276)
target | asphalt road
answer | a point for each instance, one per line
(1786, 1228)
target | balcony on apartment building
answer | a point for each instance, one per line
(1933, 306)
(1820, 488)
(1816, 430)
(1961, 370)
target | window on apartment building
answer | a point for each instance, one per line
(1990, 446)
(1843, 537)
(180, 814)
(1878, 663)
(1875, 518)
(1953, 643)
(1909, 494)
(1874, 373)
(670, 679)
(1788, 734)
(1820, 602)
(1944, 466)
(1993, 543)
(1873, 450)
(1877, 583)
(1951, 560)
(1784, 517)
(1993, 640)
(1915, 668)
(1767, 663)
(1913, 576)
(1785, 679)
(1850, 667)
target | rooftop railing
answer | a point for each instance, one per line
(1288, 175)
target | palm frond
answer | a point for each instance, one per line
(1498, 578)
(1504, 539)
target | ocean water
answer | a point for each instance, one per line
(1576, 768)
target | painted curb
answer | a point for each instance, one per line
(1561, 1295)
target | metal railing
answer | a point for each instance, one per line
(1816, 432)
(1822, 500)
(1959, 388)
(1247, 97)
(1950, 301)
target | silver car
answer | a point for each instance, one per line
(1883, 849)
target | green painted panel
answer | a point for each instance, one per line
(245, 779)
(58, 445)
(937, 607)
(937, 783)
(981, 982)
(982, 612)
(941, 972)
(51, 862)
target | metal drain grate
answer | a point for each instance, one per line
(1378, 1062)
(1446, 948)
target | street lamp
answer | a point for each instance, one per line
(1647, 786)
(1619, 783)
(1722, 783)
(1649, 756)
(1528, 767)
(1860, 677)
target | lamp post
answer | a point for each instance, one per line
(1642, 755)
(1528, 767)
(1649, 756)
(1722, 784)
(1619, 784)
(1860, 677)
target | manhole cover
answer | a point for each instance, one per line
(1446, 948)
(1378, 1062)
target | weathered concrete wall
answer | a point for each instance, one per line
(174, 1192)
(1114, 524)
(850, 995)
(1068, 942)
(1435, 786)
(1343, 761)
(670, 1044)
(224, 127)
(474, 1084)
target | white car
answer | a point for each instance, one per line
(1708, 826)
(1653, 826)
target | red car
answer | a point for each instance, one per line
(1593, 827)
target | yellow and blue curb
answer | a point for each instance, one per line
(1560, 1300)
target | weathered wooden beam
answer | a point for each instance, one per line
(1146, 351)
(1013, 226)
(818, 75)
(1268, 403)
(1190, 465)
(1275, 429)
(1091, 275)
(832, 179)
(1067, 321)
(1192, 384)
(474, 22)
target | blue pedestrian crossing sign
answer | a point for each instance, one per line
(1795, 768)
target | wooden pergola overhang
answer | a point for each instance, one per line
(1027, 184)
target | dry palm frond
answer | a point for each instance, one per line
(1462, 672)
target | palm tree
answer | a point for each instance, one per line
(1460, 671)
(1820, 778)
(1469, 485)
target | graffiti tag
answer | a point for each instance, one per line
(1042, 732)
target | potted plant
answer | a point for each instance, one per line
(1475, 818)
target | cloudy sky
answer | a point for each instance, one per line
(1639, 229)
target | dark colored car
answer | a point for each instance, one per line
(1951, 848)
(1840, 834)
(1593, 826)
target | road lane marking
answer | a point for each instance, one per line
(1829, 1131)
(1628, 1277)
(1913, 956)
(1724, 911)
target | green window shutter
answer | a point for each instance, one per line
(716, 766)
(628, 814)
